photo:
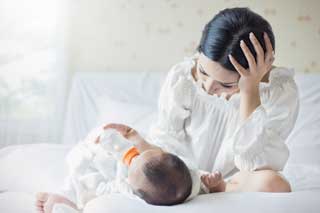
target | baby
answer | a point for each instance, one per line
(116, 159)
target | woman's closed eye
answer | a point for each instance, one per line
(203, 72)
(226, 86)
(222, 84)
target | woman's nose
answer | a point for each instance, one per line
(207, 84)
(213, 87)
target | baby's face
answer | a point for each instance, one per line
(136, 176)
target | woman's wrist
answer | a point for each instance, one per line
(251, 90)
(248, 86)
(249, 101)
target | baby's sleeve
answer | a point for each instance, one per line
(259, 142)
(82, 154)
(81, 174)
(117, 185)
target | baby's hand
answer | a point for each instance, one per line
(132, 135)
(125, 131)
(213, 181)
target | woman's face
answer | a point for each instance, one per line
(214, 78)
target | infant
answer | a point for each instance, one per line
(116, 159)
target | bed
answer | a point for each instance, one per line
(97, 97)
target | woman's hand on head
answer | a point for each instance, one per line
(251, 77)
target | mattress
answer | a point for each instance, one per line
(27, 169)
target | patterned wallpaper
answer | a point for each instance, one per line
(150, 35)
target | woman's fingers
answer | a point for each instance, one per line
(268, 44)
(257, 47)
(242, 71)
(246, 51)
(269, 56)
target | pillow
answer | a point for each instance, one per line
(137, 116)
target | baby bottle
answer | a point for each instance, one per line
(118, 146)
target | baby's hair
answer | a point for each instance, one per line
(170, 181)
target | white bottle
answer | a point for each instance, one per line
(114, 143)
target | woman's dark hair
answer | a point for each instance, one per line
(222, 35)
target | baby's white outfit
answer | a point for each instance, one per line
(207, 128)
(97, 169)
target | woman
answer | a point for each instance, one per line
(228, 108)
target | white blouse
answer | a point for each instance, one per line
(207, 129)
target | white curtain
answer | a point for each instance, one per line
(33, 74)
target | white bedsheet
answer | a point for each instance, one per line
(298, 202)
(41, 168)
(26, 169)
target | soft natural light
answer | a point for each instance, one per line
(31, 67)
(120, 106)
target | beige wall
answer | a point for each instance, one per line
(151, 35)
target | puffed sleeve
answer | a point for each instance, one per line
(259, 142)
(173, 110)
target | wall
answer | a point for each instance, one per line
(149, 35)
